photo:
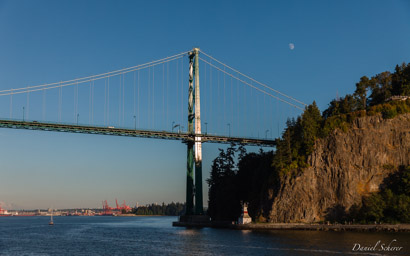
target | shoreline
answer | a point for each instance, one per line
(120, 215)
(299, 226)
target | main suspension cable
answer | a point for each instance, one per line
(250, 78)
(229, 74)
(74, 82)
(102, 75)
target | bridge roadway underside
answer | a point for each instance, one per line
(183, 136)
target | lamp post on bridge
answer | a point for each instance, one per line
(135, 123)
(172, 126)
(175, 126)
(206, 128)
(23, 114)
(266, 134)
(78, 115)
(229, 126)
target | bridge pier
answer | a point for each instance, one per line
(190, 180)
(199, 208)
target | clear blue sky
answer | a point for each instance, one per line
(335, 43)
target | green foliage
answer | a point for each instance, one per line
(343, 105)
(224, 203)
(344, 121)
(361, 92)
(385, 84)
(255, 177)
(401, 80)
(390, 109)
(399, 182)
(389, 112)
(380, 87)
(373, 207)
(172, 209)
(311, 128)
(332, 110)
(246, 181)
(298, 141)
(334, 122)
(390, 205)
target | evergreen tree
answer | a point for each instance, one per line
(381, 86)
(401, 80)
(224, 203)
(333, 109)
(256, 176)
(310, 124)
(361, 92)
(348, 104)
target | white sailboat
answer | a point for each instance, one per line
(51, 220)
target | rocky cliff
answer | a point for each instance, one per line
(343, 167)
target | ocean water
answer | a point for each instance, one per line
(155, 236)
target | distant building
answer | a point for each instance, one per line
(4, 212)
(398, 98)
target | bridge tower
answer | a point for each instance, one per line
(199, 209)
(194, 148)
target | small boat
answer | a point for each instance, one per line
(51, 223)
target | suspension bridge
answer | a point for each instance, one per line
(155, 100)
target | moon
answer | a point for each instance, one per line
(291, 46)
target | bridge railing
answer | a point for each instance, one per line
(104, 130)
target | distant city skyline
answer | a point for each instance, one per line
(312, 51)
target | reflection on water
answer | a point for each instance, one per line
(155, 235)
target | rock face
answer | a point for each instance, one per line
(343, 168)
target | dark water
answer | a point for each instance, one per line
(156, 236)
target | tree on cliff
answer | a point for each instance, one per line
(381, 88)
(298, 140)
(343, 105)
(361, 92)
(311, 122)
(401, 80)
(372, 91)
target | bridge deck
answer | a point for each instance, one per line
(59, 127)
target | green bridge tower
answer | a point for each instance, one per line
(194, 151)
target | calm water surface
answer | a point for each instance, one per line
(156, 236)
